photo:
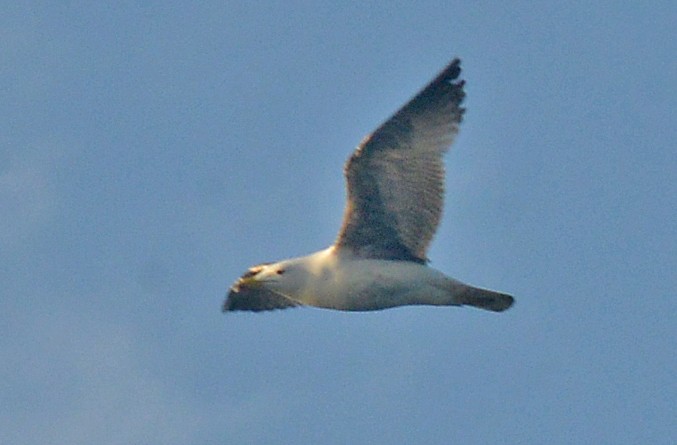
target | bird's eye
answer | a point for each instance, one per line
(280, 271)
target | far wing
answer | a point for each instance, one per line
(395, 178)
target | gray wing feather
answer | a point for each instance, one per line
(255, 300)
(395, 177)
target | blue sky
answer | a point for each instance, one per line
(151, 152)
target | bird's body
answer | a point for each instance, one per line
(361, 284)
(395, 193)
(335, 279)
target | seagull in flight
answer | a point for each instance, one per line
(395, 182)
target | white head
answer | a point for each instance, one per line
(287, 278)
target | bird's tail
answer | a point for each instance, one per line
(484, 299)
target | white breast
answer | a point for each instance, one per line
(356, 284)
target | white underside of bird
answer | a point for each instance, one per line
(332, 279)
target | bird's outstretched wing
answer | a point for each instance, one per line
(395, 177)
(255, 299)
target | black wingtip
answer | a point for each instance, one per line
(445, 88)
(449, 73)
(453, 70)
